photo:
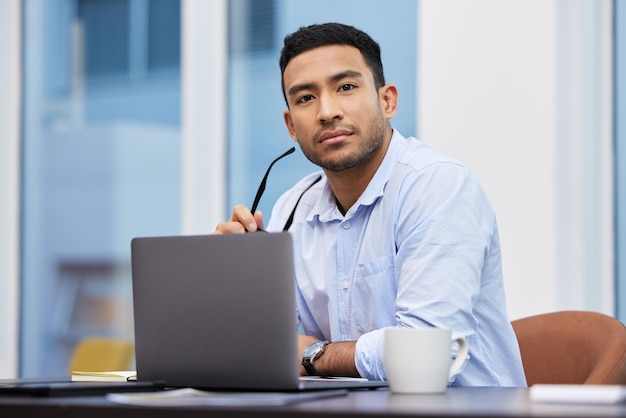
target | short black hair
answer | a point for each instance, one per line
(318, 35)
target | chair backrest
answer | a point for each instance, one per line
(572, 347)
(97, 354)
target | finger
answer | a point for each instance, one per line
(258, 219)
(242, 215)
(229, 228)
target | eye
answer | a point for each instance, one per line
(347, 87)
(304, 99)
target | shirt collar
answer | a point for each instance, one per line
(326, 207)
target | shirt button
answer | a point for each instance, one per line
(346, 225)
(345, 284)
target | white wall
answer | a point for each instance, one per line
(520, 92)
(9, 183)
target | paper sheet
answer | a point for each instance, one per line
(109, 376)
(592, 394)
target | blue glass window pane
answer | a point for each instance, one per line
(101, 165)
(163, 35)
(106, 37)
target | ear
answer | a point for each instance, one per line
(289, 124)
(389, 100)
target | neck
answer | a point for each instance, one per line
(348, 185)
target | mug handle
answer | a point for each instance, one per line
(461, 356)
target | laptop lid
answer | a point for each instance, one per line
(218, 311)
(215, 311)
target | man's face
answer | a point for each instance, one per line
(336, 114)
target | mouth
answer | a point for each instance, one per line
(334, 136)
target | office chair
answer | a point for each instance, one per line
(572, 347)
(97, 354)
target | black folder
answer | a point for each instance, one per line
(65, 387)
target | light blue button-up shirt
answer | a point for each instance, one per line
(419, 248)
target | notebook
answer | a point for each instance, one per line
(218, 312)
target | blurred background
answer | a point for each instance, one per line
(125, 118)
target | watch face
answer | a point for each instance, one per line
(311, 350)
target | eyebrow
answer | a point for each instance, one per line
(336, 77)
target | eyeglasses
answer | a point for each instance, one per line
(259, 192)
(261, 189)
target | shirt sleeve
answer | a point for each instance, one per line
(369, 355)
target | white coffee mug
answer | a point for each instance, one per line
(419, 360)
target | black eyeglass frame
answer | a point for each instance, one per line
(261, 189)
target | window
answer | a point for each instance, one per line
(102, 151)
(101, 135)
(619, 72)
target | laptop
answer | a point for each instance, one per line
(218, 312)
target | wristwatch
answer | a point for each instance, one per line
(312, 353)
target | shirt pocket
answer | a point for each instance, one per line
(374, 294)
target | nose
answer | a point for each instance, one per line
(329, 108)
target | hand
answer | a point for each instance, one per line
(241, 221)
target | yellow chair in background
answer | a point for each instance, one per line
(98, 354)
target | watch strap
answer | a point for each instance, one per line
(307, 362)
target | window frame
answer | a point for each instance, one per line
(10, 80)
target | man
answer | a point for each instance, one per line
(394, 234)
